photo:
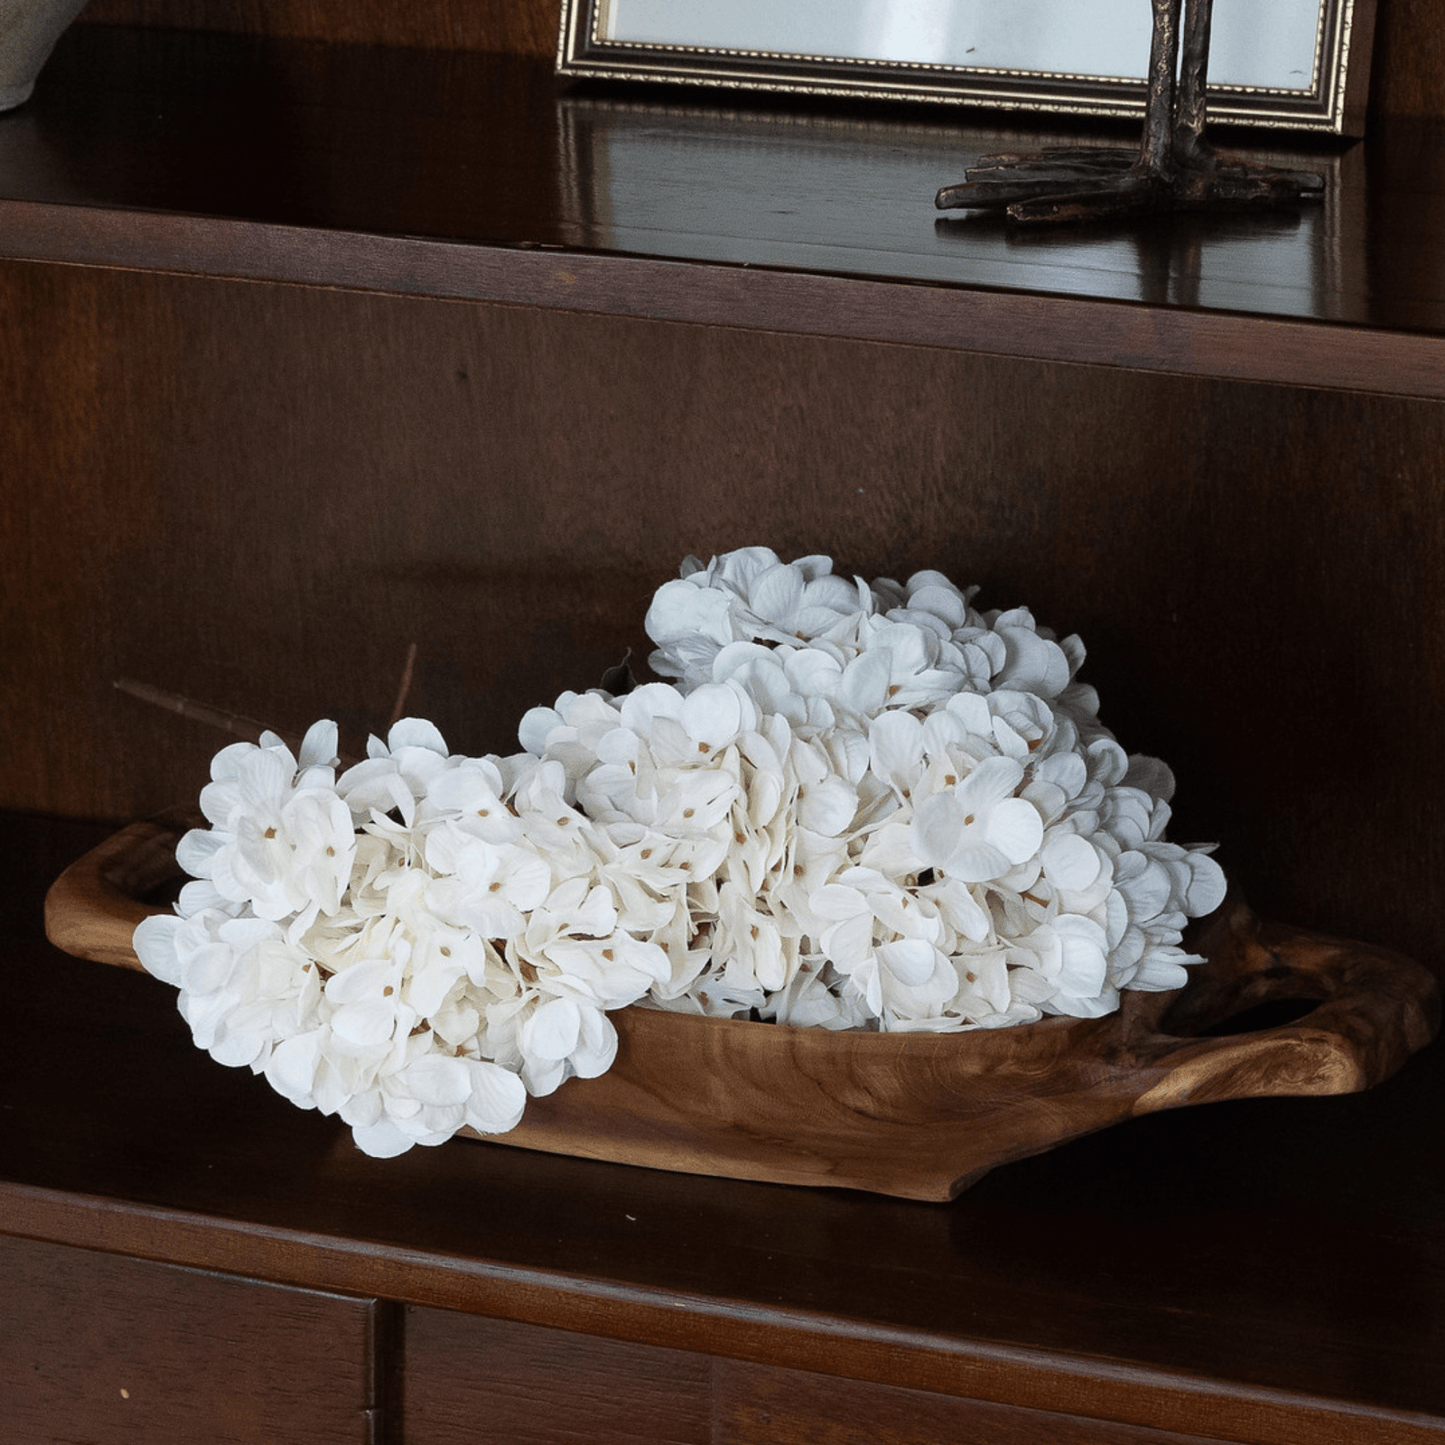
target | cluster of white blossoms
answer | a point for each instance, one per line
(854, 806)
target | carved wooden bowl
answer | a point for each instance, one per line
(916, 1115)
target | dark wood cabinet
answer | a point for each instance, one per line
(312, 351)
(1268, 1271)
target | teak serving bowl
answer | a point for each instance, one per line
(917, 1115)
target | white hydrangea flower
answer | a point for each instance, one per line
(991, 792)
(280, 841)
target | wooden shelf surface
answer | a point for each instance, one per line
(1273, 1270)
(476, 177)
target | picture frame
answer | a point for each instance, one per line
(1279, 64)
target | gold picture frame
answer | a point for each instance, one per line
(1281, 64)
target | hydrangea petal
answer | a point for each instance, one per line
(439, 1079)
(497, 1099)
(154, 941)
(382, 1140)
(551, 1033)
(1070, 861)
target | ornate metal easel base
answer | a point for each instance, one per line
(1065, 184)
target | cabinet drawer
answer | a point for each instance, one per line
(103, 1350)
(759, 1405)
(474, 1381)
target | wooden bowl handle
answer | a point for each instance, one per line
(93, 908)
(1374, 1009)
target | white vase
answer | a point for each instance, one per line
(28, 32)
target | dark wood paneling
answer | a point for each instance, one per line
(1408, 73)
(260, 497)
(99, 1348)
(475, 1381)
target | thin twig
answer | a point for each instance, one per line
(233, 723)
(405, 685)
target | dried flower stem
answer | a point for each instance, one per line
(235, 724)
(405, 687)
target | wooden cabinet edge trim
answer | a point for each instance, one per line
(1091, 331)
